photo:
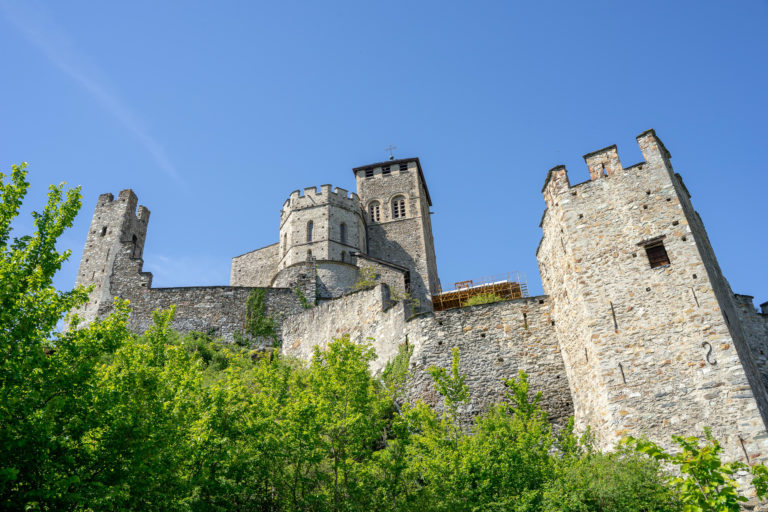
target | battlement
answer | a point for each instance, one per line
(605, 163)
(127, 199)
(310, 197)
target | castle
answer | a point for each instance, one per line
(638, 333)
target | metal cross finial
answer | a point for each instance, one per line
(390, 148)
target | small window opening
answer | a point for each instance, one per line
(386, 170)
(343, 233)
(398, 207)
(309, 255)
(310, 230)
(104, 231)
(404, 167)
(657, 255)
(369, 173)
(343, 256)
(135, 245)
(675, 222)
(374, 211)
(285, 244)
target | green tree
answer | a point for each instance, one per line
(704, 483)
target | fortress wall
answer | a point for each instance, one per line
(755, 327)
(255, 268)
(220, 309)
(362, 314)
(387, 274)
(495, 341)
(216, 309)
(334, 278)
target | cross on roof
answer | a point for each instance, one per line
(390, 148)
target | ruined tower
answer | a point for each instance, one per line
(117, 231)
(396, 200)
(645, 320)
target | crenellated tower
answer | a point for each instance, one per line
(322, 230)
(644, 318)
(396, 200)
(117, 233)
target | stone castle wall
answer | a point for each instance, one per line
(495, 342)
(219, 310)
(255, 268)
(755, 327)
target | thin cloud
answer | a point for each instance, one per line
(40, 30)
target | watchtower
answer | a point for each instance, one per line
(117, 229)
(644, 318)
(396, 200)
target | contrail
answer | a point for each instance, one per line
(40, 30)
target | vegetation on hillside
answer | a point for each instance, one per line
(99, 418)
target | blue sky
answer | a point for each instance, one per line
(214, 112)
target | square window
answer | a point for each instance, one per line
(369, 173)
(404, 167)
(386, 170)
(657, 255)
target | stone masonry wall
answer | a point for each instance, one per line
(755, 327)
(647, 350)
(495, 341)
(217, 309)
(255, 268)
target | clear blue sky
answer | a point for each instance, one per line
(214, 112)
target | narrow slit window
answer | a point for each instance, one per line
(310, 230)
(309, 255)
(374, 211)
(398, 207)
(104, 231)
(343, 233)
(657, 255)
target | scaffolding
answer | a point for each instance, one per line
(511, 285)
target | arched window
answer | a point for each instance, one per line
(398, 207)
(310, 229)
(374, 211)
(343, 233)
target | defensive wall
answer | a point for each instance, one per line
(495, 342)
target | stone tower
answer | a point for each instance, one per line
(644, 318)
(117, 231)
(396, 200)
(323, 228)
